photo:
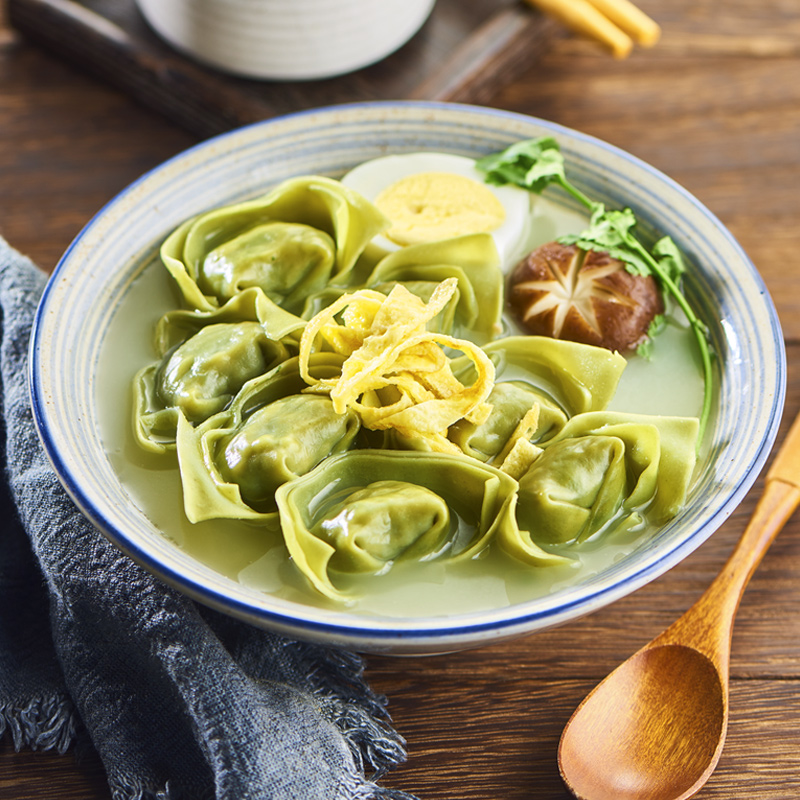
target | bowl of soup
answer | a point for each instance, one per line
(283, 371)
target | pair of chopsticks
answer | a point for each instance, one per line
(616, 24)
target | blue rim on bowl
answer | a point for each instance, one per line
(108, 255)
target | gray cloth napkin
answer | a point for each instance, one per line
(179, 701)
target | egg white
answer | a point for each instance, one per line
(371, 177)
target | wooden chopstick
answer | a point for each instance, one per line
(631, 19)
(616, 24)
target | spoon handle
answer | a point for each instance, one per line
(786, 465)
(709, 622)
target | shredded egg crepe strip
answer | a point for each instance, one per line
(519, 452)
(396, 373)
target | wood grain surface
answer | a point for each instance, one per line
(716, 105)
(461, 53)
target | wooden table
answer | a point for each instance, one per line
(717, 107)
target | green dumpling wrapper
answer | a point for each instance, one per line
(480, 497)
(282, 441)
(283, 380)
(578, 377)
(606, 470)
(510, 402)
(285, 260)
(199, 378)
(250, 305)
(313, 226)
(574, 489)
(563, 378)
(382, 523)
(475, 310)
(269, 437)
(575, 377)
(202, 375)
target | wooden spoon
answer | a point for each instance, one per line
(655, 727)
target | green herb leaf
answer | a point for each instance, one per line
(548, 169)
(645, 349)
(532, 164)
(669, 257)
(610, 232)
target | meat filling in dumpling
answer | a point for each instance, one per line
(584, 296)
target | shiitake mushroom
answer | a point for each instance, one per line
(583, 296)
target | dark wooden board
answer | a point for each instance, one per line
(466, 50)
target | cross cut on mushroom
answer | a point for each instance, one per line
(584, 296)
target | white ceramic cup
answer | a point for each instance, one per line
(286, 39)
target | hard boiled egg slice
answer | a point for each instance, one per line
(433, 196)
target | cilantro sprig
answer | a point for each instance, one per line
(535, 164)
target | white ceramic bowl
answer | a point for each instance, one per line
(286, 39)
(105, 261)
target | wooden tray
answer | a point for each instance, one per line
(465, 51)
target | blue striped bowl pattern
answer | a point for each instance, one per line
(98, 268)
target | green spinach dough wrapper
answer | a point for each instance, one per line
(198, 375)
(304, 234)
(579, 377)
(563, 378)
(510, 402)
(232, 464)
(249, 304)
(475, 311)
(342, 517)
(606, 471)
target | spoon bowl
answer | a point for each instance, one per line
(685, 700)
(655, 727)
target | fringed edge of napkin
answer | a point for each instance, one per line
(43, 723)
(360, 714)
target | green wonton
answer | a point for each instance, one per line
(605, 471)
(561, 378)
(510, 403)
(288, 244)
(476, 309)
(232, 463)
(285, 260)
(333, 518)
(279, 442)
(199, 377)
(384, 522)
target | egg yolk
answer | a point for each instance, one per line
(429, 206)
